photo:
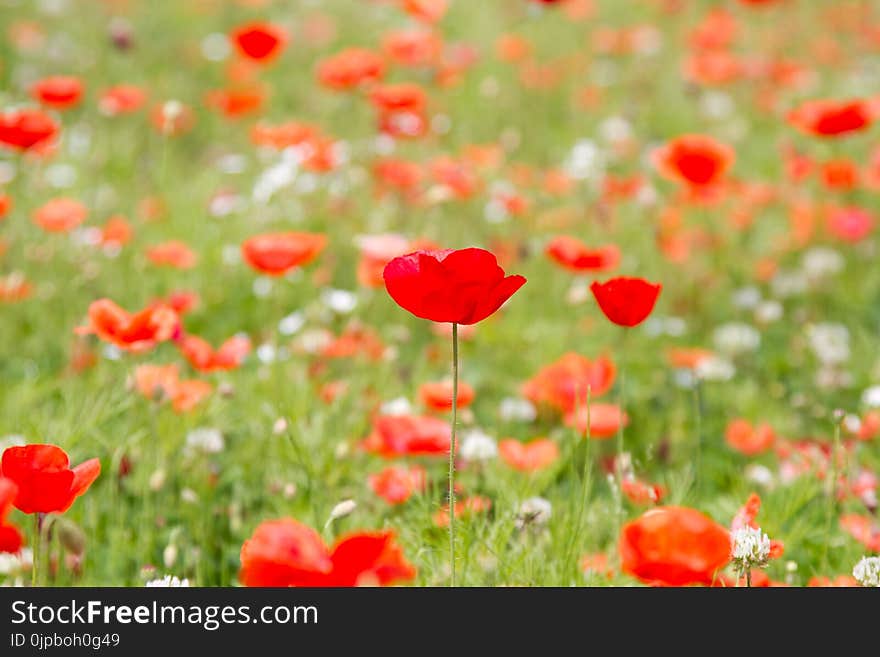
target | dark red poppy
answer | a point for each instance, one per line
(259, 41)
(59, 91)
(276, 254)
(27, 128)
(46, 483)
(287, 553)
(463, 286)
(571, 253)
(831, 118)
(695, 160)
(626, 301)
(10, 537)
(138, 332)
(408, 435)
(674, 546)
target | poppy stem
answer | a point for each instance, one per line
(618, 461)
(832, 491)
(452, 449)
(698, 428)
(749, 578)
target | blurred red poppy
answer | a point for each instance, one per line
(350, 68)
(204, 358)
(45, 481)
(532, 456)
(5, 205)
(849, 224)
(10, 538)
(58, 92)
(60, 215)
(674, 546)
(464, 508)
(564, 384)
(429, 11)
(174, 253)
(626, 301)
(832, 118)
(287, 553)
(408, 435)
(137, 333)
(276, 254)
(571, 253)
(121, 99)
(437, 396)
(396, 483)
(604, 420)
(463, 286)
(695, 160)
(747, 439)
(259, 41)
(24, 129)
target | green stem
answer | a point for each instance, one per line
(618, 515)
(832, 490)
(749, 578)
(452, 449)
(698, 428)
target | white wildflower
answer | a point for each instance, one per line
(205, 440)
(514, 409)
(829, 342)
(167, 582)
(397, 406)
(867, 571)
(534, 511)
(750, 549)
(871, 397)
(736, 338)
(344, 508)
(478, 446)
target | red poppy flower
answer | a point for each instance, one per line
(573, 254)
(532, 456)
(465, 508)
(259, 41)
(641, 492)
(747, 439)
(10, 537)
(831, 118)
(59, 92)
(850, 224)
(156, 382)
(862, 528)
(116, 232)
(189, 394)
(236, 102)
(287, 553)
(605, 420)
(376, 252)
(674, 546)
(408, 435)
(121, 99)
(564, 384)
(136, 333)
(396, 483)
(412, 47)
(24, 129)
(350, 68)
(5, 205)
(438, 396)
(429, 11)
(284, 553)
(695, 160)
(463, 286)
(841, 581)
(172, 254)
(276, 254)
(368, 559)
(355, 341)
(46, 483)
(626, 301)
(204, 358)
(60, 215)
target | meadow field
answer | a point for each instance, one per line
(198, 203)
